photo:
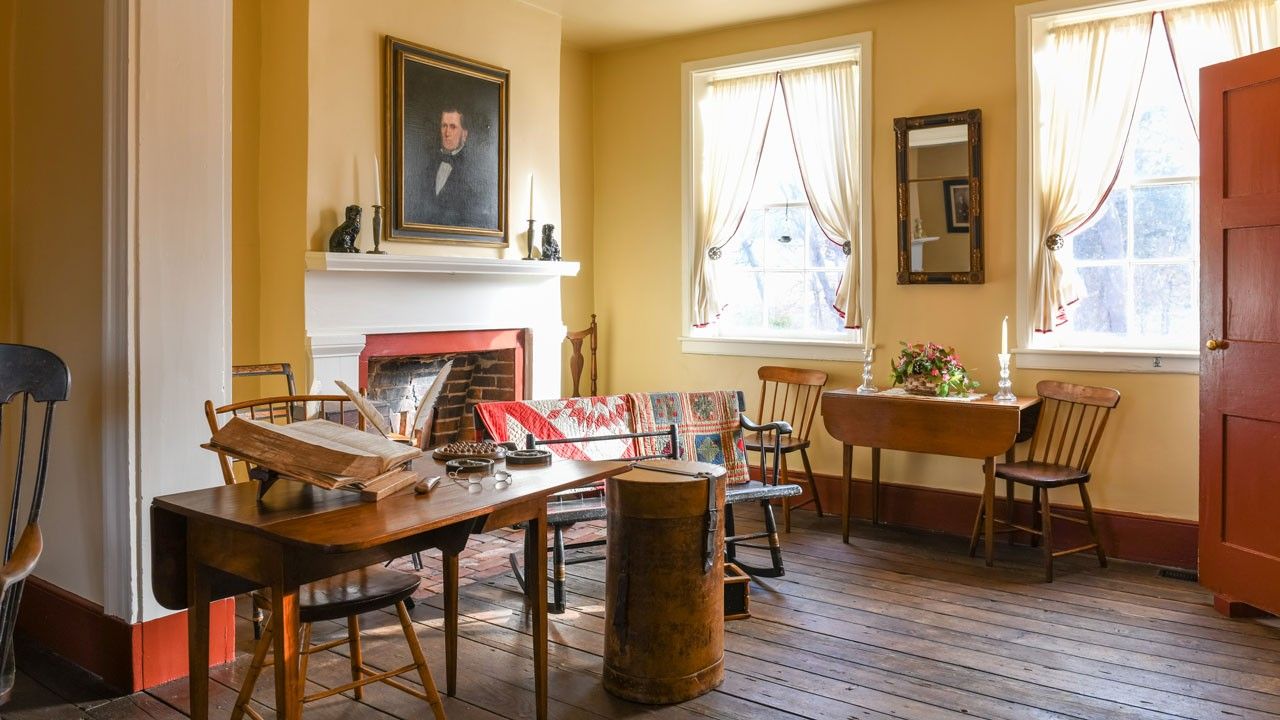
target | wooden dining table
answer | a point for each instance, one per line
(982, 429)
(222, 541)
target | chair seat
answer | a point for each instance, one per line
(351, 593)
(1041, 474)
(789, 443)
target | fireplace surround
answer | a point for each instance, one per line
(359, 305)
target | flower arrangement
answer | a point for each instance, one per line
(930, 369)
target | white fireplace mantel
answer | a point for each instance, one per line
(364, 262)
(351, 296)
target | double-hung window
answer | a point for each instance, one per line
(1109, 176)
(776, 158)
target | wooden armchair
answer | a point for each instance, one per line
(790, 395)
(1072, 418)
(343, 596)
(38, 375)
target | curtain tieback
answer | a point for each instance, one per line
(714, 253)
(847, 246)
(1054, 242)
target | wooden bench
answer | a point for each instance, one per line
(585, 504)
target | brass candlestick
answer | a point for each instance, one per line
(377, 231)
(531, 223)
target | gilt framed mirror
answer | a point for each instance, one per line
(939, 159)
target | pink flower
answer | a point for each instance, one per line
(935, 372)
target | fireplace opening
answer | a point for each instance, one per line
(397, 369)
(400, 383)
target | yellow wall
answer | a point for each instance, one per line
(246, 88)
(321, 123)
(282, 183)
(57, 260)
(929, 57)
(577, 177)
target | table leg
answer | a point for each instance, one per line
(198, 638)
(846, 479)
(538, 581)
(450, 562)
(284, 625)
(875, 486)
(989, 504)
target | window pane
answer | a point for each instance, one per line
(742, 294)
(784, 223)
(785, 295)
(1103, 311)
(745, 250)
(1164, 143)
(822, 292)
(1163, 221)
(1104, 237)
(1165, 300)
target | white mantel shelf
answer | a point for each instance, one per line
(364, 262)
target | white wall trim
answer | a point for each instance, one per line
(1145, 361)
(119, 368)
(771, 348)
(688, 181)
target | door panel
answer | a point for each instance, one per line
(1250, 493)
(1251, 257)
(1240, 383)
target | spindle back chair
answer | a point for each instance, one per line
(789, 395)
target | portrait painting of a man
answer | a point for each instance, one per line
(448, 156)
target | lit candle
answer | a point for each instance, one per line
(530, 196)
(377, 182)
(1004, 336)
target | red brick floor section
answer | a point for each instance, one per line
(486, 556)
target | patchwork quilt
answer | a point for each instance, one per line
(707, 427)
(564, 418)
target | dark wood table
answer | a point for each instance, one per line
(218, 542)
(981, 429)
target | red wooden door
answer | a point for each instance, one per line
(1240, 329)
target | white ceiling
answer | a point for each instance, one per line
(595, 24)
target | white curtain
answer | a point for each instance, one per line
(735, 114)
(822, 107)
(1088, 76)
(1202, 35)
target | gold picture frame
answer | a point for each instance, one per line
(445, 134)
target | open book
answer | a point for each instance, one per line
(320, 452)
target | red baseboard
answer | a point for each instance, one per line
(1127, 536)
(127, 657)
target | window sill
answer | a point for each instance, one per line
(762, 347)
(1186, 362)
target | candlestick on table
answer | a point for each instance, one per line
(1005, 393)
(868, 386)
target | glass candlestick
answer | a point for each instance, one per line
(1004, 394)
(867, 387)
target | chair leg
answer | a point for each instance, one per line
(1035, 516)
(1008, 502)
(775, 547)
(557, 569)
(357, 657)
(786, 501)
(813, 487)
(977, 528)
(730, 549)
(304, 655)
(1093, 529)
(251, 677)
(1046, 515)
(424, 673)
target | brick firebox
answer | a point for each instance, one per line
(398, 368)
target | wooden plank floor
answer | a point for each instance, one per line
(898, 624)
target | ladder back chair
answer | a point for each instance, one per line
(576, 338)
(347, 595)
(38, 376)
(789, 395)
(1072, 420)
